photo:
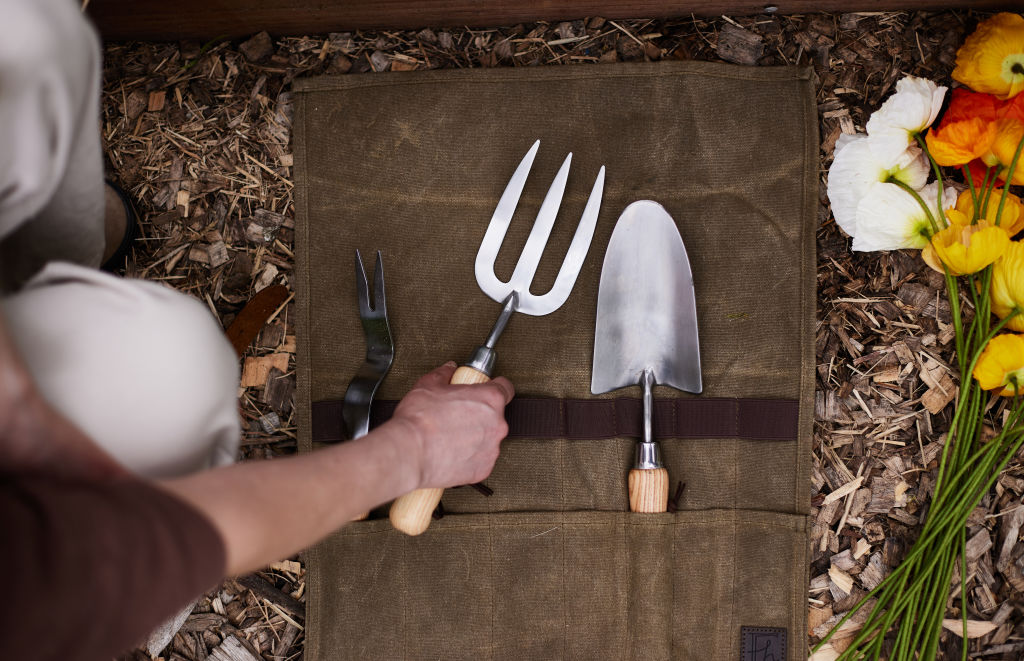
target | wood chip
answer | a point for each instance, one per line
(257, 48)
(844, 490)
(841, 580)
(818, 616)
(975, 628)
(739, 46)
(978, 544)
(278, 390)
(873, 574)
(156, 100)
(257, 368)
(1011, 535)
(232, 649)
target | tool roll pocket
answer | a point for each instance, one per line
(561, 585)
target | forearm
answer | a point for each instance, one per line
(269, 510)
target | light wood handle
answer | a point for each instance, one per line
(411, 513)
(362, 517)
(648, 490)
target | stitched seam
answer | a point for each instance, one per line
(804, 311)
(316, 595)
(496, 75)
(452, 518)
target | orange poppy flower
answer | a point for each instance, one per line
(965, 104)
(958, 143)
(1011, 109)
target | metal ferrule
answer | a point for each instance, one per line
(648, 455)
(483, 359)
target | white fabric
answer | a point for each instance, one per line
(145, 371)
(51, 167)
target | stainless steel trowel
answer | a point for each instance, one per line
(646, 330)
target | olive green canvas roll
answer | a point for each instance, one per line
(553, 566)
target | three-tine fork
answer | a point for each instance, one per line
(411, 513)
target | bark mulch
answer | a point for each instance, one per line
(200, 135)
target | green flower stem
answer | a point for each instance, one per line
(913, 597)
(935, 168)
(933, 631)
(958, 415)
(974, 192)
(953, 295)
(1009, 178)
(935, 601)
(948, 522)
(986, 188)
(963, 589)
(901, 648)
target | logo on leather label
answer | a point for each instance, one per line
(762, 644)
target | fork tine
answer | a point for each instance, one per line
(496, 229)
(362, 291)
(526, 267)
(379, 302)
(574, 258)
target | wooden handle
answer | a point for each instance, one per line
(648, 490)
(468, 376)
(411, 513)
(362, 517)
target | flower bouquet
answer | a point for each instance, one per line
(964, 222)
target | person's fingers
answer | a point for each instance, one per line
(508, 391)
(438, 377)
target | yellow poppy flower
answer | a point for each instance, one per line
(1001, 365)
(1012, 219)
(992, 58)
(1007, 292)
(965, 248)
(1009, 133)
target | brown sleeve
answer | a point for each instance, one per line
(91, 568)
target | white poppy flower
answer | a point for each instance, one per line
(911, 110)
(889, 218)
(855, 168)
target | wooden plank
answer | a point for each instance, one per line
(205, 19)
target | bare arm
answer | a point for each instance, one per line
(440, 436)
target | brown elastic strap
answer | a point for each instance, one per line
(593, 419)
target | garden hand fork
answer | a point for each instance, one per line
(411, 513)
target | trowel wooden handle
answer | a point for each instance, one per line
(648, 490)
(411, 513)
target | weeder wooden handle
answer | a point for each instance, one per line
(411, 513)
(648, 490)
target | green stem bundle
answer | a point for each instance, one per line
(911, 601)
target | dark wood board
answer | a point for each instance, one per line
(158, 20)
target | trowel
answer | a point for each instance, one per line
(646, 331)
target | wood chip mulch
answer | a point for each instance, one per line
(200, 135)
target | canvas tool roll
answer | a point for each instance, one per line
(553, 566)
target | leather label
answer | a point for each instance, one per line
(762, 644)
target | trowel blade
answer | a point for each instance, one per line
(646, 308)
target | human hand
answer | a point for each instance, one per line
(457, 428)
